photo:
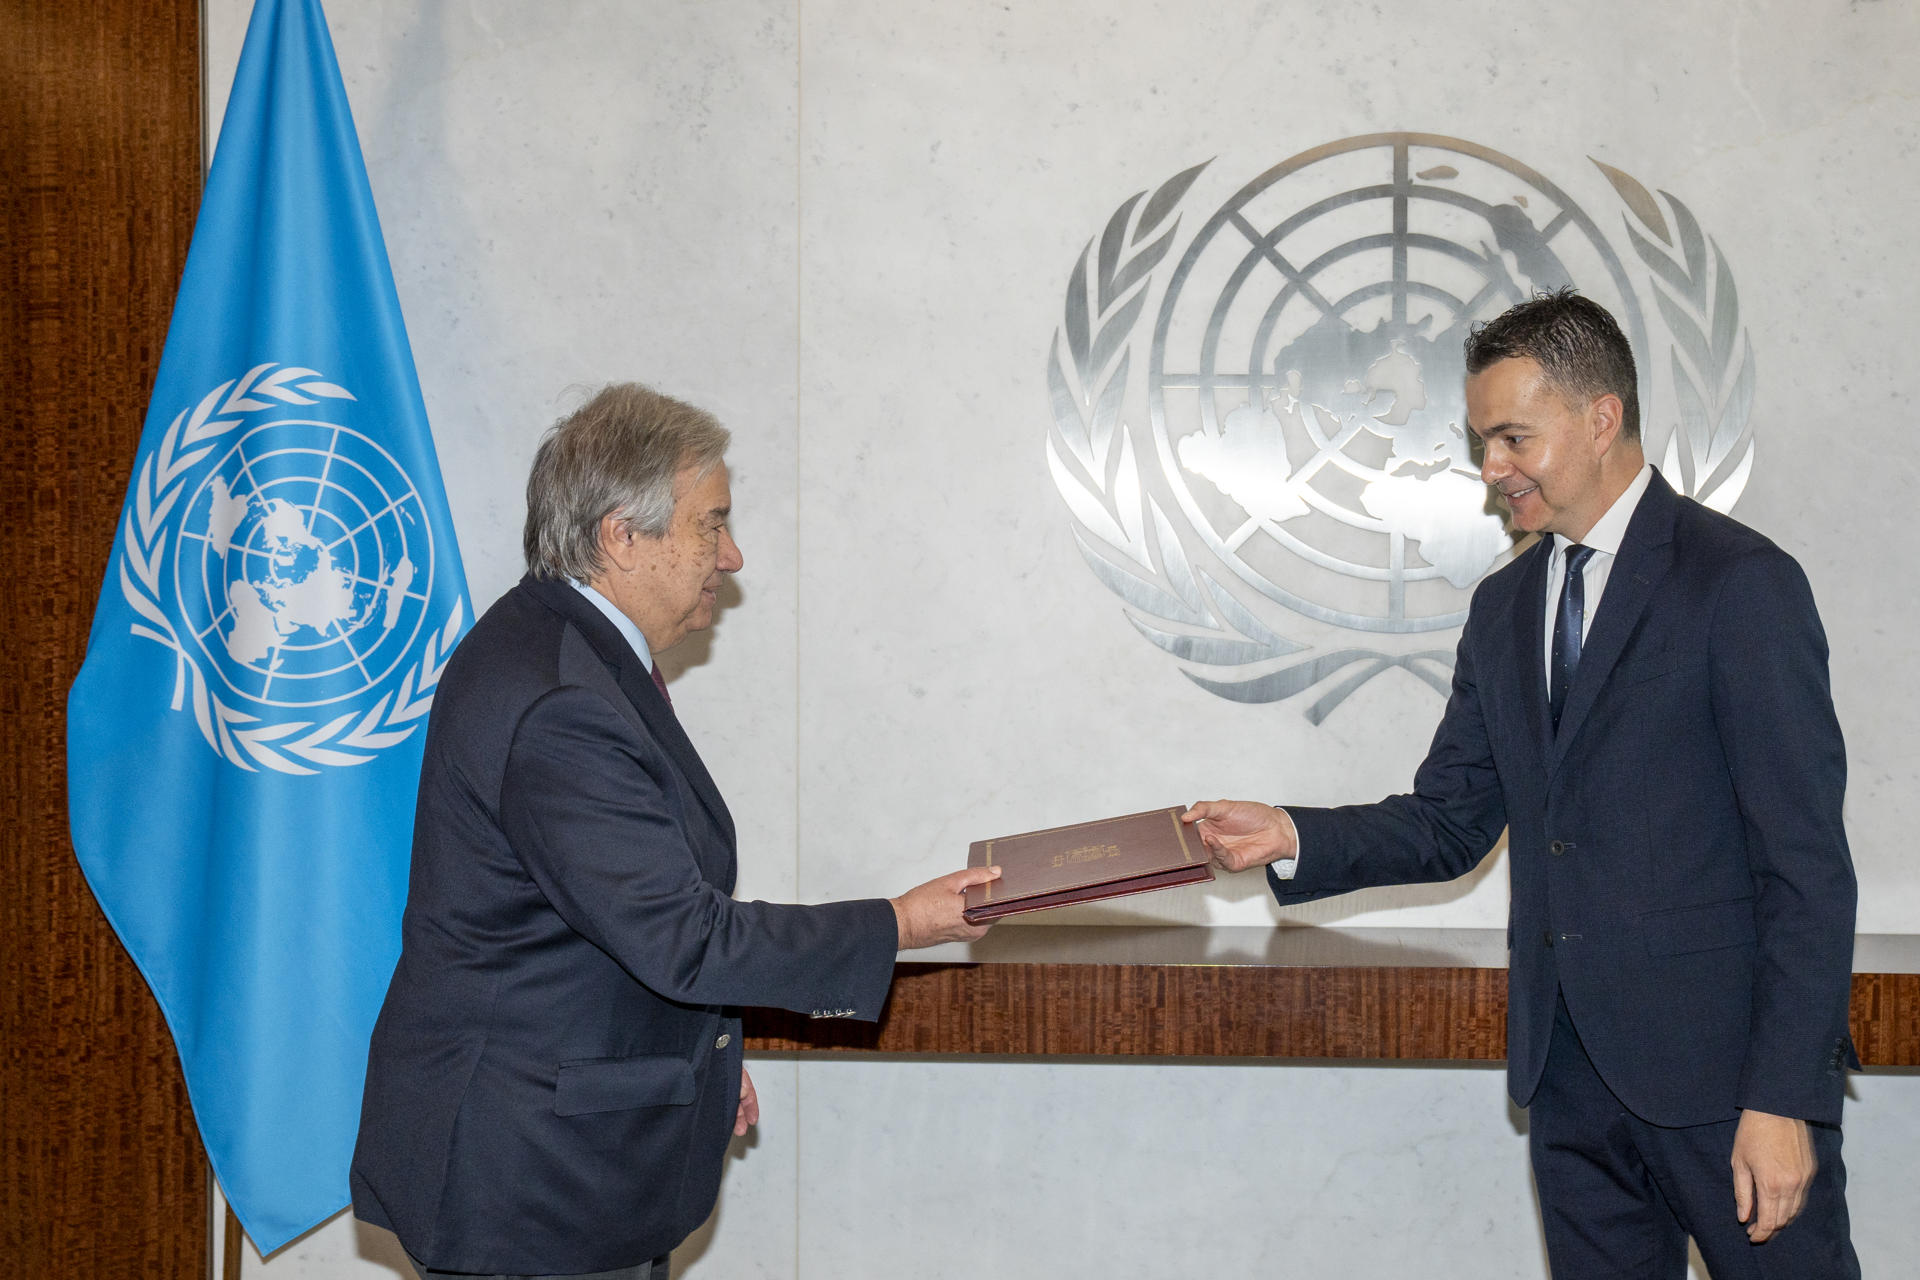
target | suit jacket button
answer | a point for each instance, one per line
(723, 1042)
(1547, 937)
(1557, 847)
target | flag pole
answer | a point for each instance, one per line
(230, 1256)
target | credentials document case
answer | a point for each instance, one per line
(1085, 862)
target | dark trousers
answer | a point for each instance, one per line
(1619, 1196)
(655, 1270)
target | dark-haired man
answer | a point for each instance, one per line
(1641, 700)
(556, 1070)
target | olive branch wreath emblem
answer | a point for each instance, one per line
(239, 737)
(1121, 526)
(1710, 455)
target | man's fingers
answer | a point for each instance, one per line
(748, 1113)
(1773, 1165)
(959, 880)
(1210, 811)
(1743, 1194)
(1766, 1209)
(1767, 1217)
(955, 881)
(1763, 1218)
(1777, 1209)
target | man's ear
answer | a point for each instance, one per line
(1605, 418)
(619, 544)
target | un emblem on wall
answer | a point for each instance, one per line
(301, 575)
(1300, 508)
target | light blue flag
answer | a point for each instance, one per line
(244, 740)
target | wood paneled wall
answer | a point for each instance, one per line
(101, 1169)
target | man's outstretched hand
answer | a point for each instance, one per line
(930, 913)
(1243, 833)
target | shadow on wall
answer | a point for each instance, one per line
(381, 1247)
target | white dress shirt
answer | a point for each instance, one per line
(1604, 538)
(620, 620)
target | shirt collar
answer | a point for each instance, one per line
(1611, 528)
(625, 625)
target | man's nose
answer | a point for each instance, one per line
(730, 557)
(1493, 466)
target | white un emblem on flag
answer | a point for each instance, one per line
(301, 577)
(299, 558)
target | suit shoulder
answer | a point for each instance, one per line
(1498, 587)
(506, 662)
(1700, 530)
(1746, 578)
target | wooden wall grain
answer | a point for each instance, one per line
(1358, 1012)
(101, 1170)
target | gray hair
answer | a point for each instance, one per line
(616, 455)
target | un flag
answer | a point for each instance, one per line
(244, 739)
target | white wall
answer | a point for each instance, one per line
(847, 229)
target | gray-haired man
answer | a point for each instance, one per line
(556, 1070)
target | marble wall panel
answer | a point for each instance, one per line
(1097, 1169)
(954, 162)
(1094, 1169)
(1110, 1169)
(847, 227)
(580, 193)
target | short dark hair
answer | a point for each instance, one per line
(1576, 343)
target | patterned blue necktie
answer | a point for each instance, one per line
(1568, 622)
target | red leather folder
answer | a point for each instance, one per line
(1085, 862)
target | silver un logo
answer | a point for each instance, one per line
(1301, 510)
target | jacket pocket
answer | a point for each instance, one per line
(620, 1084)
(1683, 930)
(1653, 666)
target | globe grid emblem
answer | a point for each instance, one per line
(292, 558)
(1302, 502)
(1357, 345)
(305, 566)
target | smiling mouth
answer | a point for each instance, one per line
(1511, 494)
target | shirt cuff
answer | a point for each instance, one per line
(1283, 868)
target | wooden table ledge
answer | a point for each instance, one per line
(1248, 992)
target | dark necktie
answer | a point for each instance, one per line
(1568, 621)
(660, 681)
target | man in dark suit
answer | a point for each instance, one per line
(1641, 700)
(557, 1068)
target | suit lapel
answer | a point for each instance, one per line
(636, 681)
(1530, 632)
(1646, 553)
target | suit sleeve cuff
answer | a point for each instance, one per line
(876, 969)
